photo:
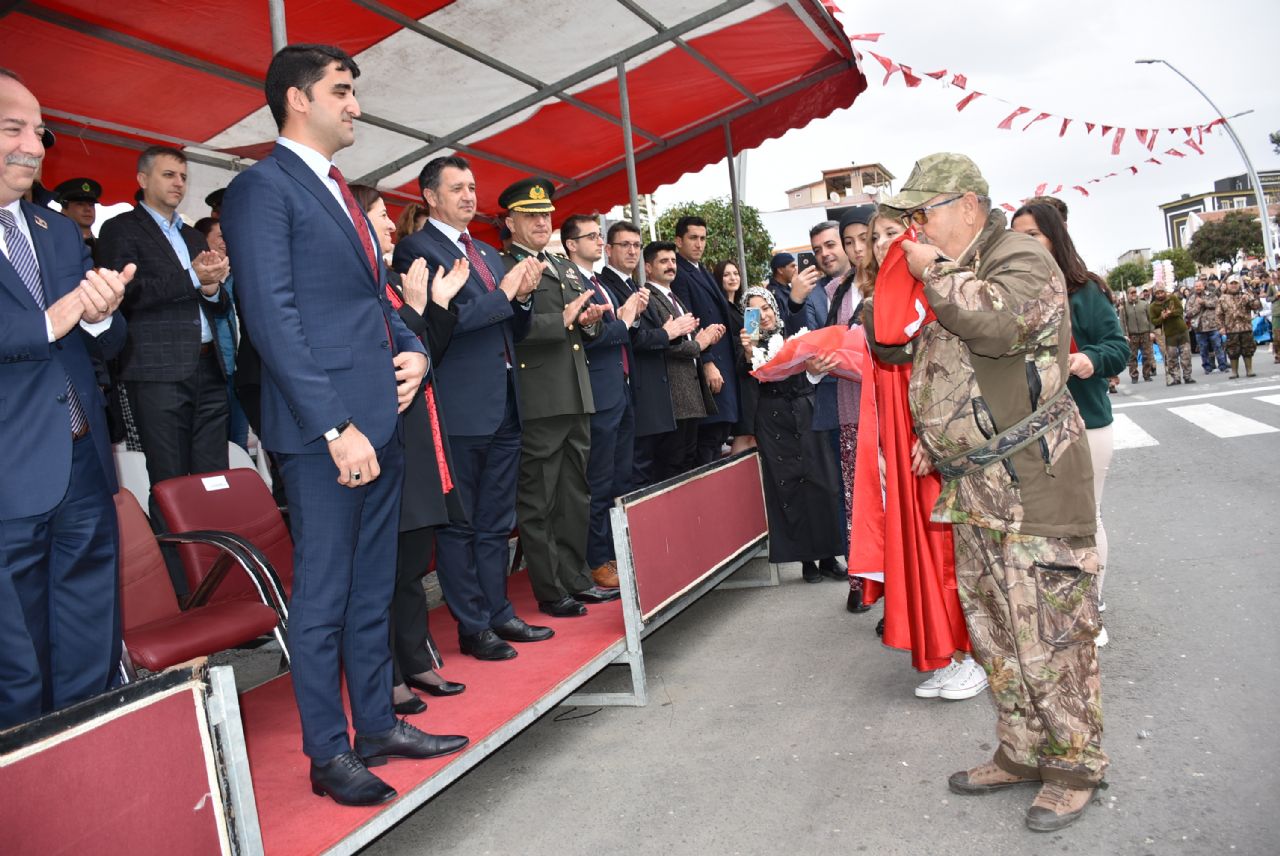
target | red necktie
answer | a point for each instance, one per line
(626, 365)
(429, 393)
(477, 261)
(357, 220)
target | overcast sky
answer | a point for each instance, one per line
(1072, 59)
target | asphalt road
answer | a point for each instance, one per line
(778, 725)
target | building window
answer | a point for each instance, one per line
(1238, 202)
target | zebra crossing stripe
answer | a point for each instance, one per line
(1269, 399)
(1126, 434)
(1220, 422)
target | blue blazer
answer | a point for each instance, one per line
(314, 307)
(472, 379)
(695, 285)
(604, 357)
(36, 453)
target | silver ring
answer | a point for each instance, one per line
(355, 474)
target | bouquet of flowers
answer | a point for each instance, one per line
(781, 358)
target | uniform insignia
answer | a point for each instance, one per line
(537, 192)
(85, 187)
(40, 222)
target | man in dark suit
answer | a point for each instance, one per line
(695, 285)
(609, 358)
(480, 406)
(59, 615)
(552, 498)
(339, 366)
(171, 366)
(672, 393)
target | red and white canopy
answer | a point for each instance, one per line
(517, 86)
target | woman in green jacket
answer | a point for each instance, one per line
(1099, 348)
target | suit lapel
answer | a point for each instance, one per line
(300, 172)
(152, 229)
(42, 240)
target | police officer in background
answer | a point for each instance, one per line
(79, 199)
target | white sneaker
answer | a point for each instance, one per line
(934, 683)
(1101, 639)
(967, 681)
(1102, 606)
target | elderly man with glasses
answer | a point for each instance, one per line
(989, 400)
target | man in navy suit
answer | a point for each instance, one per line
(478, 386)
(613, 427)
(338, 367)
(697, 288)
(59, 613)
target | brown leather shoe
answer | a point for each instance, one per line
(1057, 806)
(984, 779)
(606, 576)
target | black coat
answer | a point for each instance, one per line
(423, 503)
(161, 303)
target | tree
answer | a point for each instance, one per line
(1123, 276)
(1184, 266)
(1220, 240)
(721, 243)
(1275, 141)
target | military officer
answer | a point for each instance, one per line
(552, 499)
(79, 199)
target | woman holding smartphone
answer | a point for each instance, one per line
(729, 278)
(801, 490)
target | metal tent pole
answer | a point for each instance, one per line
(737, 209)
(628, 145)
(279, 38)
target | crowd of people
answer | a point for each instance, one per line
(420, 392)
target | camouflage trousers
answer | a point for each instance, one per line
(1177, 360)
(1241, 345)
(1141, 344)
(1031, 604)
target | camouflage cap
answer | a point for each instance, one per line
(944, 172)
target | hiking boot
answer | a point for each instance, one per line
(1057, 806)
(984, 779)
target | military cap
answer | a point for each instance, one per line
(529, 195)
(780, 260)
(214, 200)
(857, 215)
(944, 172)
(78, 190)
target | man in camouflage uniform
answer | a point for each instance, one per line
(1137, 326)
(989, 401)
(1206, 321)
(1166, 315)
(1237, 307)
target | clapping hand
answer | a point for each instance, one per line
(446, 285)
(522, 280)
(211, 269)
(414, 285)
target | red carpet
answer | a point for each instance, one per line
(295, 821)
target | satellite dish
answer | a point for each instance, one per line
(834, 196)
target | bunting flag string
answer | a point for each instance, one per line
(1194, 135)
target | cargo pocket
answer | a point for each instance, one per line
(1066, 604)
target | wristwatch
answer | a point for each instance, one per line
(336, 431)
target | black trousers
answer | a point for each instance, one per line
(412, 648)
(711, 439)
(183, 423)
(672, 453)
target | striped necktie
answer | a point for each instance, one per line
(23, 259)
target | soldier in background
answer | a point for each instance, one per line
(79, 199)
(1166, 316)
(1135, 320)
(1237, 307)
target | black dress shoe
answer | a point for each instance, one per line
(405, 741)
(409, 707)
(854, 603)
(880, 627)
(516, 630)
(485, 645)
(444, 688)
(565, 607)
(597, 594)
(347, 781)
(829, 569)
(810, 572)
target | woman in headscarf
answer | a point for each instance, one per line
(801, 489)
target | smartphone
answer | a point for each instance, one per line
(751, 321)
(805, 260)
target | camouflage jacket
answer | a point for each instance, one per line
(1202, 312)
(1237, 312)
(987, 390)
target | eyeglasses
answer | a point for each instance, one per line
(626, 245)
(920, 216)
(591, 236)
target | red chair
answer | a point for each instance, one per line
(159, 633)
(230, 509)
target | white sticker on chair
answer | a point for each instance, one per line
(215, 483)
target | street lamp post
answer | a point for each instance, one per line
(1264, 215)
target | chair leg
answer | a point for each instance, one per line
(128, 674)
(285, 660)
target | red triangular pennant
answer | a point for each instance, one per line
(889, 66)
(1006, 206)
(1040, 188)
(1036, 119)
(1151, 141)
(866, 37)
(1133, 169)
(1141, 134)
(1106, 129)
(1115, 144)
(1175, 153)
(936, 75)
(967, 100)
(1062, 132)
(1007, 124)
(1083, 192)
(910, 79)
(1088, 127)
(960, 80)
(1058, 189)
(1194, 146)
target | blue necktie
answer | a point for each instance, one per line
(23, 260)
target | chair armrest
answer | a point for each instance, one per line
(230, 552)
